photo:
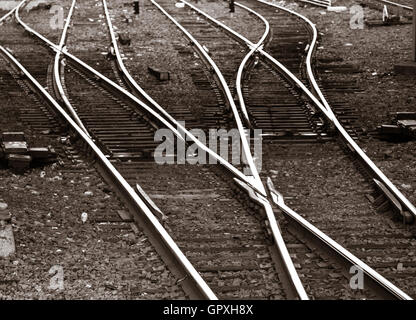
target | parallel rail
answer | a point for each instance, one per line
(10, 13)
(395, 4)
(377, 282)
(319, 3)
(255, 179)
(279, 242)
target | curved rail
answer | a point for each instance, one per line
(199, 288)
(19, 21)
(298, 290)
(140, 103)
(95, 73)
(255, 181)
(379, 280)
(368, 162)
(267, 204)
(56, 70)
(135, 87)
(8, 14)
(323, 106)
(151, 220)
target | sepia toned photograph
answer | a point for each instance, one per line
(217, 150)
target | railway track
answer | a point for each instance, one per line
(42, 119)
(298, 40)
(405, 234)
(291, 118)
(218, 258)
(228, 288)
(395, 239)
(386, 231)
(403, 5)
(249, 274)
(35, 119)
(201, 109)
(298, 245)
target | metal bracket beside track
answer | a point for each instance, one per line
(380, 285)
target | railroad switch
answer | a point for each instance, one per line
(14, 150)
(409, 67)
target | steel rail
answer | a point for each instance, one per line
(282, 250)
(255, 181)
(397, 5)
(246, 58)
(113, 86)
(323, 106)
(19, 20)
(311, 49)
(201, 289)
(368, 162)
(296, 288)
(280, 245)
(56, 70)
(10, 12)
(318, 3)
(278, 200)
(352, 260)
(278, 238)
(151, 220)
(291, 77)
(136, 88)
